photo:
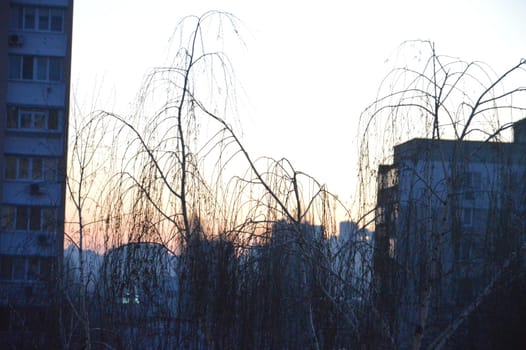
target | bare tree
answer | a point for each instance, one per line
(249, 238)
(437, 98)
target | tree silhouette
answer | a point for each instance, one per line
(438, 98)
(175, 174)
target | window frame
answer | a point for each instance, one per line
(471, 184)
(23, 218)
(48, 169)
(30, 268)
(30, 18)
(29, 68)
(51, 117)
(466, 218)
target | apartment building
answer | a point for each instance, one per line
(450, 222)
(35, 62)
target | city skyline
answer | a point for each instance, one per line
(175, 197)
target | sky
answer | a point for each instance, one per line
(306, 70)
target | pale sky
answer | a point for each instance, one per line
(307, 66)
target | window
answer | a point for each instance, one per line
(28, 218)
(15, 67)
(37, 68)
(471, 183)
(20, 268)
(6, 267)
(31, 168)
(56, 21)
(129, 298)
(467, 217)
(29, 19)
(33, 119)
(33, 268)
(42, 19)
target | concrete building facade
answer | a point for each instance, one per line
(450, 218)
(35, 64)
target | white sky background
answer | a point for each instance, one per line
(307, 70)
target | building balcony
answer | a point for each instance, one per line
(37, 43)
(29, 243)
(20, 293)
(36, 93)
(32, 193)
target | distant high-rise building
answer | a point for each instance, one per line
(35, 62)
(450, 215)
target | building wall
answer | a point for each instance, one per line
(35, 64)
(4, 21)
(447, 221)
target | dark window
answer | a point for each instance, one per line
(34, 18)
(53, 119)
(39, 68)
(19, 268)
(45, 268)
(48, 219)
(29, 18)
(8, 218)
(27, 67)
(11, 168)
(15, 67)
(35, 168)
(33, 119)
(50, 168)
(6, 267)
(33, 268)
(26, 120)
(23, 168)
(12, 117)
(41, 63)
(39, 121)
(57, 20)
(43, 19)
(25, 268)
(34, 223)
(55, 67)
(21, 218)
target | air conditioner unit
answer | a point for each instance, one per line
(15, 40)
(37, 189)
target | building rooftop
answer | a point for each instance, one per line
(466, 150)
